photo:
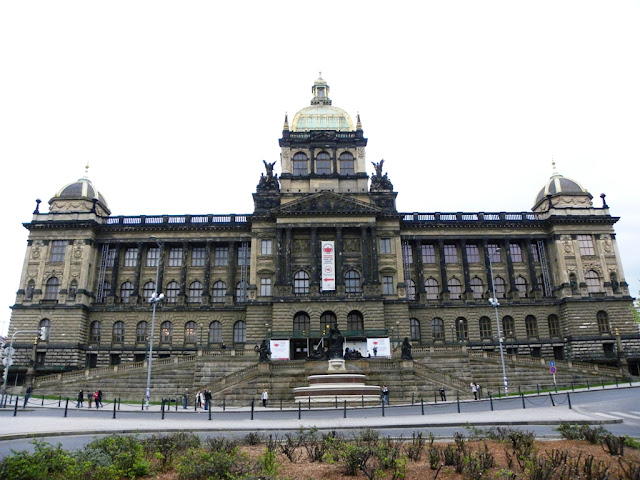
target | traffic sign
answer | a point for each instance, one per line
(7, 362)
(552, 363)
(552, 370)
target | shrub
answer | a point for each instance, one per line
(126, 452)
(165, 447)
(199, 464)
(46, 462)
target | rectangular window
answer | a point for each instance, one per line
(585, 242)
(428, 254)
(300, 167)
(244, 256)
(450, 254)
(111, 258)
(265, 247)
(153, 255)
(473, 254)
(221, 256)
(516, 252)
(175, 257)
(494, 252)
(385, 245)
(198, 256)
(407, 253)
(387, 285)
(131, 257)
(265, 287)
(58, 248)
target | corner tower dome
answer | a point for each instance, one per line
(321, 115)
(561, 192)
(79, 197)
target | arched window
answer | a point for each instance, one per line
(432, 289)
(239, 332)
(521, 286)
(301, 323)
(411, 290)
(141, 332)
(499, 286)
(355, 322)
(31, 287)
(462, 330)
(147, 290)
(437, 330)
(95, 331)
(328, 320)
(477, 287)
(195, 292)
(190, 333)
(323, 163)
(554, 325)
(173, 289)
(215, 332)
(118, 332)
(46, 324)
(166, 332)
(242, 291)
(126, 290)
(455, 288)
(73, 290)
(531, 326)
(484, 325)
(219, 291)
(508, 326)
(300, 161)
(414, 330)
(603, 322)
(51, 289)
(352, 282)
(346, 164)
(593, 281)
(301, 283)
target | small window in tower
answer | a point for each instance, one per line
(300, 162)
(346, 164)
(323, 163)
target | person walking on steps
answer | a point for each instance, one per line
(474, 390)
(265, 398)
(385, 395)
(80, 399)
(185, 398)
(443, 395)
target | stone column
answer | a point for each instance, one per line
(183, 274)
(512, 280)
(279, 256)
(161, 250)
(231, 272)
(443, 271)
(417, 259)
(136, 275)
(375, 278)
(535, 288)
(365, 255)
(288, 248)
(465, 270)
(206, 281)
(115, 271)
(312, 159)
(314, 256)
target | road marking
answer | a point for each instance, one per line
(603, 414)
(635, 417)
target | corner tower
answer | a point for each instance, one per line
(322, 151)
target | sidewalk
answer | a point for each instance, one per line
(50, 423)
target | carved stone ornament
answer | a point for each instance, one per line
(35, 252)
(301, 246)
(567, 244)
(329, 202)
(571, 269)
(285, 155)
(592, 266)
(351, 244)
(77, 251)
(612, 269)
(607, 244)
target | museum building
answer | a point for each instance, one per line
(324, 246)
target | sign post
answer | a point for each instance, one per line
(552, 370)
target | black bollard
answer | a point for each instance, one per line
(572, 386)
(224, 404)
(299, 410)
(616, 382)
(59, 400)
(435, 399)
(588, 388)
(499, 394)
(280, 403)
(42, 404)
(162, 408)
(412, 398)
(66, 407)
(522, 397)
(309, 406)
(209, 411)
(336, 401)
(519, 391)
(538, 388)
(602, 383)
(142, 405)
(555, 387)
(15, 407)
(344, 415)
(569, 400)
(362, 401)
(422, 405)
(491, 401)
(383, 407)
(458, 400)
(552, 402)
(114, 409)
(252, 407)
(118, 403)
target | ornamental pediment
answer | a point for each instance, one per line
(328, 203)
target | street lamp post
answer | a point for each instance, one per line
(495, 304)
(155, 298)
(8, 359)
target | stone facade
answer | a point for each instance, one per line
(234, 279)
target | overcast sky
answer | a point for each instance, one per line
(175, 104)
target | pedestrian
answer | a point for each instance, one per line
(265, 398)
(375, 351)
(385, 395)
(27, 396)
(100, 398)
(207, 399)
(80, 399)
(95, 399)
(185, 398)
(198, 400)
(479, 390)
(474, 390)
(443, 395)
(90, 398)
